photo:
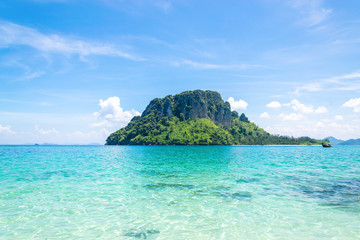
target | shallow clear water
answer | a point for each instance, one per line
(175, 192)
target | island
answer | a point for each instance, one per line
(196, 118)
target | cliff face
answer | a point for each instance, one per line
(192, 105)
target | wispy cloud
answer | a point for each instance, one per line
(346, 41)
(347, 82)
(132, 7)
(22, 102)
(30, 75)
(45, 132)
(163, 5)
(149, 39)
(14, 34)
(312, 12)
(205, 66)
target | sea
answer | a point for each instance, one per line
(179, 192)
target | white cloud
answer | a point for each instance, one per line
(237, 105)
(320, 124)
(112, 113)
(291, 116)
(321, 110)
(298, 124)
(14, 34)
(45, 132)
(264, 115)
(338, 118)
(6, 129)
(299, 107)
(273, 104)
(353, 103)
(317, 129)
(305, 109)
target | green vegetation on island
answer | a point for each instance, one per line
(196, 118)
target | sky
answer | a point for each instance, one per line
(72, 72)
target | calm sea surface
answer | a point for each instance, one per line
(175, 192)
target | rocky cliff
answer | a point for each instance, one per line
(192, 105)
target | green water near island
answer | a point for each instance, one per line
(179, 192)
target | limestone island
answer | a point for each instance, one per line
(196, 118)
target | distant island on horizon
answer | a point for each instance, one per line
(196, 118)
(334, 141)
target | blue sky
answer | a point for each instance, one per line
(71, 72)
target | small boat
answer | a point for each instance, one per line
(326, 144)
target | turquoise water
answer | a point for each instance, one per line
(175, 192)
